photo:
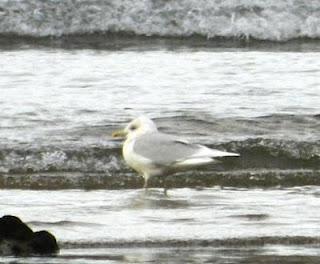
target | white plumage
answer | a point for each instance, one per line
(152, 153)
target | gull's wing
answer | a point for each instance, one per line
(162, 149)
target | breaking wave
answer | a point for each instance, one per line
(255, 154)
(262, 20)
(263, 162)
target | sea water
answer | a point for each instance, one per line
(240, 77)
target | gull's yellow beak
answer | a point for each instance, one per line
(119, 134)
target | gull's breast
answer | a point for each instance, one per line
(135, 161)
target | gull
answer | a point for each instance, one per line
(152, 153)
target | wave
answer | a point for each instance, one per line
(255, 153)
(262, 20)
(44, 224)
(276, 126)
(263, 162)
(234, 242)
(275, 150)
(54, 160)
(94, 181)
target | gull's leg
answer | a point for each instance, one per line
(146, 179)
(165, 187)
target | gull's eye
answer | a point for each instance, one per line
(133, 127)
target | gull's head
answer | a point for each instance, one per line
(136, 127)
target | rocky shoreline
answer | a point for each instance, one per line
(17, 239)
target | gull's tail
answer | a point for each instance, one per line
(204, 156)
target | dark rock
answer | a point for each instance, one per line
(44, 242)
(16, 238)
(11, 227)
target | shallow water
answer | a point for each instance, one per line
(203, 225)
(57, 115)
(60, 107)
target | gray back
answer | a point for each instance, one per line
(163, 149)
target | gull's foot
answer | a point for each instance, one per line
(165, 192)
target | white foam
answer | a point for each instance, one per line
(264, 20)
